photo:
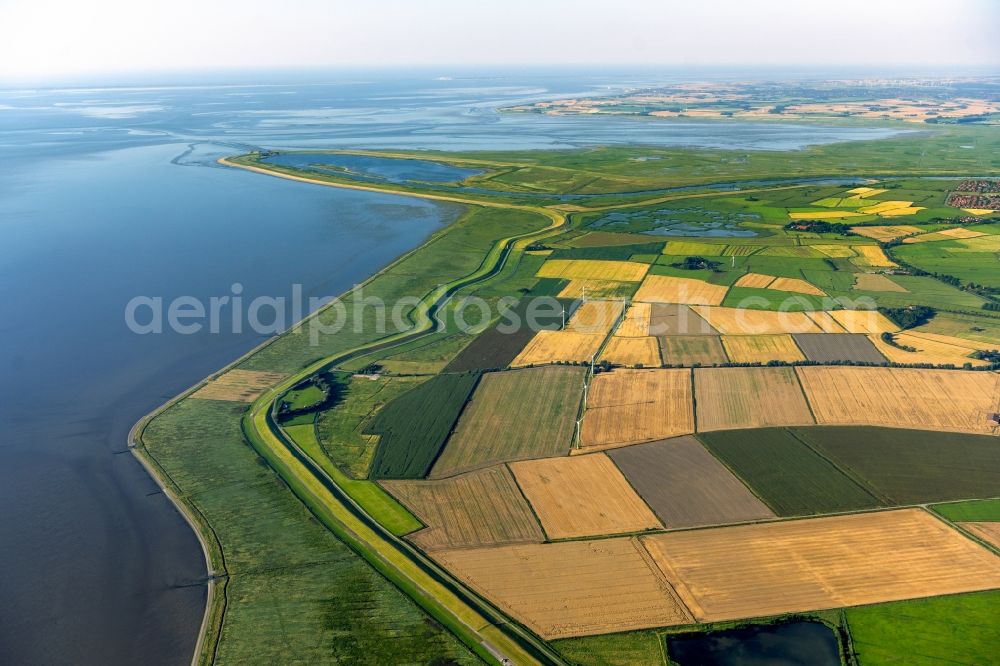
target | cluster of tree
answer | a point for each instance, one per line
(890, 339)
(909, 317)
(820, 227)
(330, 391)
(697, 264)
(992, 355)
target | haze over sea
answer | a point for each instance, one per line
(113, 192)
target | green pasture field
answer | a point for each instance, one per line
(624, 649)
(771, 299)
(293, 588)
(952, 257)
(368, 494)
(985, 511)
(960, 629)
(414, 426)
(912, 466)
(970, 327)
(341, 429)
(786, 474)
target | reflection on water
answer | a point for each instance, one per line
(693, 221)
(792, 644)
(375, 169)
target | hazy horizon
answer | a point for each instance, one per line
(111, 39)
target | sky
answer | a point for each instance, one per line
(59, 38)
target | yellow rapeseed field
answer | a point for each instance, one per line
(593, 269)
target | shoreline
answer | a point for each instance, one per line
(163, 481)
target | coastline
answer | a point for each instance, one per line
(211, 548)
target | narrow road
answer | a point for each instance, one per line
(482, 627)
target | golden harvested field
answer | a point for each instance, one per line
(929, 238)
(628, 406)
(582, 496)
(755, 281)
(689, 350)
(514, 415)
(875, 282)
(887, 233)
(552, 346)
(730, 573)
(668, 289)
(761, 348)
(796, 285)
(863, 321)
(986, 243)
(988, 532)
(597, 289)
(593, 269)
(595, 317)
(238, 385)
(871, 256)
(574, 588)
(741, 321)
(979, 211)
(731, 398)
(950, 400)
(481, 508)
(632, 352)
(825, 322)
(636, 321)
(961, 232)
(935, 352)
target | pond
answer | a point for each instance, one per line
(375, 169)
(694, 221)
(807, 643)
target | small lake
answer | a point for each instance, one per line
(803, 643)
(375, 169)
(694, 221)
